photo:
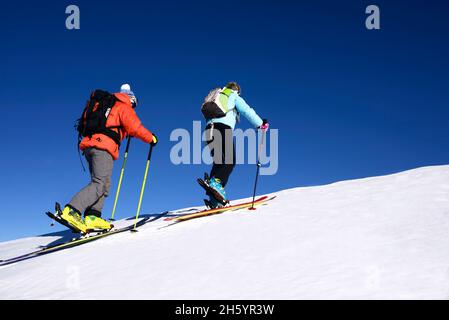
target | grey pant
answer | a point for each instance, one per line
(90, 199)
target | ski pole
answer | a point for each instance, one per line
(262, 143)
(143, 187)
(122, 172)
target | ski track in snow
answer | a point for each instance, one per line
(375, 238)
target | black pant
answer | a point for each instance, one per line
(221, 142)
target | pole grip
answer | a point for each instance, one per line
(127, 144)
(150, 152)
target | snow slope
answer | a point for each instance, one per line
(376, 238)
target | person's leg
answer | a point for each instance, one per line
(223, 153)
(97, 207)
(226, 169)
(212, 143)
(92, 196)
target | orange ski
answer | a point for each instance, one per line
(204, 213)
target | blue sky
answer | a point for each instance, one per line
(348, 102)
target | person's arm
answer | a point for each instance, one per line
(247, 112)
(133, 126)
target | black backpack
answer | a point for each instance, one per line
(94, 117)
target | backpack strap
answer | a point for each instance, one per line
(116, 136)
(226, 91)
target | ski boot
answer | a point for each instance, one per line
(73, 219)
(213, 188)
(217, 189)
(94, 223)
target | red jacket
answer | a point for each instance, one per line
(123, 115)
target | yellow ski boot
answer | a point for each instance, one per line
(74, 219)
(96, 223)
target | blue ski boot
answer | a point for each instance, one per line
(217, 190)
(213, 188)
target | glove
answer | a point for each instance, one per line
(265, 125)
(154, 142)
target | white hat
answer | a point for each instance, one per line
(126, 88)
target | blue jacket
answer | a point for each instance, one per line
(237, 104)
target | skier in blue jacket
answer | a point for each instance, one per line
(223, 152)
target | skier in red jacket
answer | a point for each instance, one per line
(101, 149)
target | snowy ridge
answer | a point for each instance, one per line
(375, 238)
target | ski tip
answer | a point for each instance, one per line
(50, 215)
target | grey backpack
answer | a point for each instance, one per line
(215, 104)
